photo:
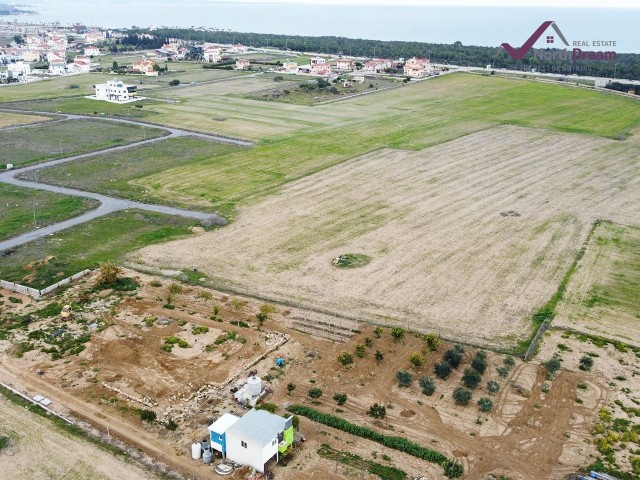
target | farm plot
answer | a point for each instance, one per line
(37, 449)
(24, 209)
(11, 119)
(117, 173)
(466, 238)
(602, 296)
(23, 146)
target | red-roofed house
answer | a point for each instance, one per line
(417, 67)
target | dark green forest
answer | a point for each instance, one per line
(626, 66)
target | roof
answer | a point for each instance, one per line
(258, 426)
(223, 423)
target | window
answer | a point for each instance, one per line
(220, 437)
(273, 442)
(243, 444)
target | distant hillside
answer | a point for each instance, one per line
(7, 9)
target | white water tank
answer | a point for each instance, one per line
(254, 386)
(196, 450)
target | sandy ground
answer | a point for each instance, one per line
(38, 450)
(473, 232)
(123, 368)
(596, 301)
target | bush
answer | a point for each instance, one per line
(493, 387)
(462, 395)
(378, 332)
(269, 407)
(315, 392)
(379, 356)
(174, 83)
(278, 78)
(454, 356)
(404, 379)
(433, 342)
(360, 350)
(428, 385)
(397, 333)
(471, 378)
(171, 425)
(108, 274)
(416, 359)
(175, 288)
(442, 369)
(509, 361)
(377, 411)
(199, 329)
(345, 358)
(586, 363)
(340, 398)
(479, 362)
(485, 404)
(291, 387)
(148, 416)
(552, 366)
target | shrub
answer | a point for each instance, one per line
(379, 356)
(416, 359)
(502, 372)
(442, 369)
(485, 404)
(428, 385)
(552, 366)
(148, 416)
(205, 295)
(493, 387)
(378, 332)
(199, 329)
(433, 342)
(4, 442)
(397, 333)
(171, 425)
(462, 395)
(471, 378)
(315, 392)
(360, 350)
(261, 317)
(479, 362)
(368, 342)
(269, 407)
(108, 274)
(291, 387)
(278, 78)
(340, 398)
(174, 83)
(175, 288)
(454, 355)
(586, 363)
(345, 358)
(405, 379)
(377, 411)
(509, 361)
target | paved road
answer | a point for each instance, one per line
(107, 204)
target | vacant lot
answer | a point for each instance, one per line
(10, 119)
(122, 173)
(467, 238)
(22, 209)
(44, 261)
(27, 145)
(603, 296)
(39, 450)
(69, 86)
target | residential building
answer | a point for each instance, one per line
(344, 64)
(358, 78)
(242, 64)
(53, 57)
(58, 67)
(322, 69)
(91, 51)
(212, 54)
(316, 60)
(417, 67)
(19, 70)
(290, 67)
(237, 48)
(30, 56)
(376, 66)
(116, 91)
(79, 65)
(145, 66)
(94, 36)
(254, 439)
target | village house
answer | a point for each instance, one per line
(290, 67)
(91, 51)
(79, 65)
(316, 61)
(58, 67)
(53, 57)
(18, 71)
(344, 64)
(237, 48)
(212, 54)
(167, 51)
(30, 56)
(376, 66)
(116, 92)
(94, 36)
(358, 78)
(322, 69)
(253, 439)
(145, 66)
(242, 64)
(417, 67)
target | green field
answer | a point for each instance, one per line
(23, 146)
(19, 206)
(602, 297)
(53, 87)
(118, 173)
(44, 261)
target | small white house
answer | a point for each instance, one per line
(344, 64)
(218, 432)
(19, 70)
(115, 91)
(242, 64)
(316, 60)
(212, 54)
(58, 67)
(91, 51)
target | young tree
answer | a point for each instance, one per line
(471, 378)
(397, 333)
(148, 416)
(404, 378)
(291, 387)
(360, 350)
(377, 411)
(368, 342)
(115, 66)
(479, 362)
(378, 332)
(586, 363)
(552, 366)
(379, 356)
(428, 385)
(442, 369)
(509, 361)
(416, 359)
(174, 83)
(454, 356)
(433, 342)
(345, 358)
(340, 398)
(315, 392)
(462, 395)
(485, 404)
(502, 372)
(493, 387)
(261, 317)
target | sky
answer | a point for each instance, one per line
(468, 3)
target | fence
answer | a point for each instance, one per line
(35, 293)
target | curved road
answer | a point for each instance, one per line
(107, 204)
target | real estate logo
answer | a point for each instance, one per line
(564, 54)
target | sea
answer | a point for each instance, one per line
(482, 26)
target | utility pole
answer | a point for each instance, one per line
(35, 226)
(61, 148)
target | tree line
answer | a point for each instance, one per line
(626, 65)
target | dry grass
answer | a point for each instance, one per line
(444, 258)
(10, 119)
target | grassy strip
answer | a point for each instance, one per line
(385, 472)
(548, 311)
(452, 469)
(60, 423)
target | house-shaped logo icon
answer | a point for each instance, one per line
(519, 53)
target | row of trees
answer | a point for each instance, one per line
(627, 65)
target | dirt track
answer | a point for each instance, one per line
(476, 231)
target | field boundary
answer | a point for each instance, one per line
(35, 293)
(31, 400)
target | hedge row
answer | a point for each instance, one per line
(452, 469)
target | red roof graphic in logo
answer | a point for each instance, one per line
(519, 53)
